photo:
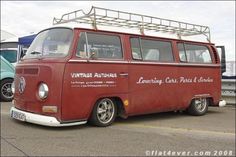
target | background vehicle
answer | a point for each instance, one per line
(11, 51)
(7, 76)
(14, 49)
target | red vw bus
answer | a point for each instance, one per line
(73, 75)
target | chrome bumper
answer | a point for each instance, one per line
(41, 119)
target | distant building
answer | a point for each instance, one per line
(6, 35)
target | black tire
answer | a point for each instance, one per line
(5, 90)
(198, 107)
(107, 108)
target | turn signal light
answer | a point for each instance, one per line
(49, 109)
(126, 103)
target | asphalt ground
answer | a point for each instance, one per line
(160, 134)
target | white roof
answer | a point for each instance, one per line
(6, 36)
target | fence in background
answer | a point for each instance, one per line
(228, 91)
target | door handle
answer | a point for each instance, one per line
(124, 74)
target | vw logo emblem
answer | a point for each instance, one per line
(22, 85)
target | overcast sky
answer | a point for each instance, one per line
(24, 17)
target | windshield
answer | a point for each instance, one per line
(51, 43)
(9, 55)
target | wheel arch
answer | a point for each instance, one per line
(10, 78)
(205, 96)
(118, 100)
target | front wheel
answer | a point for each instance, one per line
(198, 107)
(104, 112)
(6, 93)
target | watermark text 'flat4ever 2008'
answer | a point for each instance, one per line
(189, 153)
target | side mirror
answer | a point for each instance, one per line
(92, 55)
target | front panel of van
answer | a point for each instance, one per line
(39, 76)
(28, 78)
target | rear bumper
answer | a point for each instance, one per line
(40, 119)
(222, 103)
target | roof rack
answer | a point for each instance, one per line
(107, 17)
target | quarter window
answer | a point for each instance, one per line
(182, 54)
(136, 51)
(194, 53)
(99, 46)
(151, 50)
(82, 46)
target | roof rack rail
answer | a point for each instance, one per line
(107, 17)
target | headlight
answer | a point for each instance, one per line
(43, 91)
(13, 87)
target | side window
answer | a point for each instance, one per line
(136, 50)
(151, 50)
(99, 46)
(195, 53)
(204, 55)
(9, 55)
(156, 50)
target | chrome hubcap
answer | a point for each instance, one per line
(6, 91)
(201, 104)
(105, 111)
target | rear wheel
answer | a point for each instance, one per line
(104, 112)
(198, 107)
(6, 93)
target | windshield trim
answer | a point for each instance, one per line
(54, 28)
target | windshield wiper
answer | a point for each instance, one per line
(35, 52)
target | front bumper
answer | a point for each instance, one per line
(40, 119)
